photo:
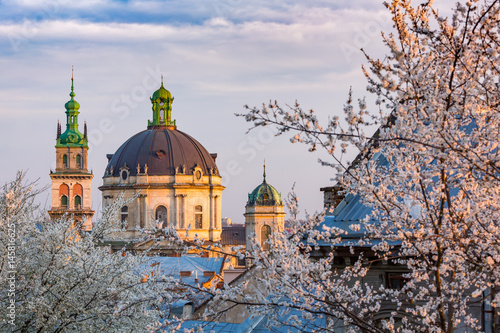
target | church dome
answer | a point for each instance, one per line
(165, 151)
(161, 150)
(264, 195)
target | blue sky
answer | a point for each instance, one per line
(215, 55)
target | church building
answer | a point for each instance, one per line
(71, 179)
(167, 178)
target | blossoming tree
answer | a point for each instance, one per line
(54, 279)
(430, 177)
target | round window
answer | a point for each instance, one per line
(162, 103)
(124, 175)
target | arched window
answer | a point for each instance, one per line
(198, 217)
(78, 202)
(65, 161)
(79, 161)
(124, 214)
(162, 115)
(265, 232)
(78, 195)
(64, 201)
(162, 216)
(63, 195)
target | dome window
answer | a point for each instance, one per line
(124, 172)
(160, 154)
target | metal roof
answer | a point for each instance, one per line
(163, 150)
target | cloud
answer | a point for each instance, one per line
(216, 56)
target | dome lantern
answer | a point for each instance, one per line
(162, 108)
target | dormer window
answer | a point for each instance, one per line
(125, 172)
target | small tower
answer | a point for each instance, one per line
(162, 109)
(71, 180)
(264, 213)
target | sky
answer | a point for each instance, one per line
(215, 55)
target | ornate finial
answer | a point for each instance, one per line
(264, 170)
(85, 130)
(162, 79)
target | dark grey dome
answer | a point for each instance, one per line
(164, 151)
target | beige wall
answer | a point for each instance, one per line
(258, 216)
(71, 175)
(180, 194)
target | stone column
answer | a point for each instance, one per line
(180, 213)
(178, 223)
(137, 222)
(144, 215)
(216, 217)
(212, 211)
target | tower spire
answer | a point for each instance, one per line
(72, 93)
(264, 171)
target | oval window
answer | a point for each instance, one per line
(198, 174)
(124, 175)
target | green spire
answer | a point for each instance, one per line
(72, 136)
(162, 108)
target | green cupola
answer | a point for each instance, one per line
(162, 108)
(264, 195)
(71, 136)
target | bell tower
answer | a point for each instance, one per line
(264, 214)
(71, 179)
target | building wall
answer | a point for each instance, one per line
(72, 175)
(258, 216)
(179, 194)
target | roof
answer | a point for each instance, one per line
(258, 324)
(165, 151)
(173, 266)
(350, 211)
(233, 235)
